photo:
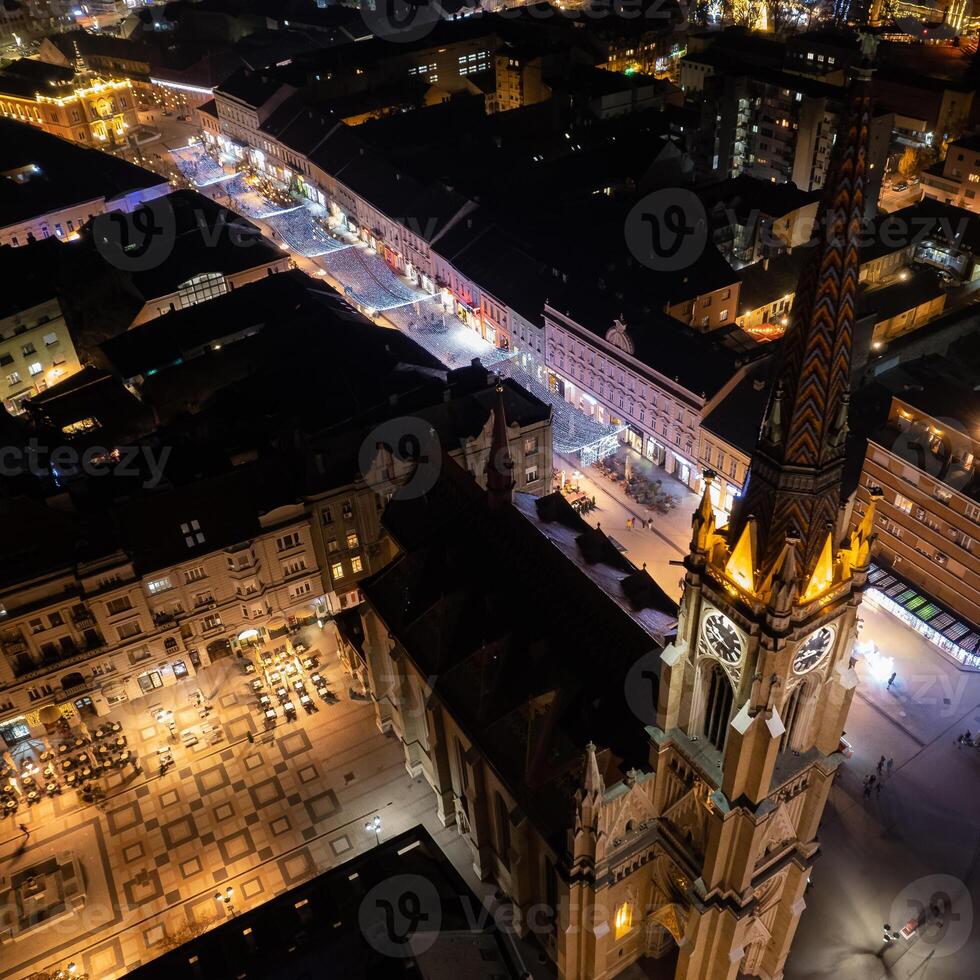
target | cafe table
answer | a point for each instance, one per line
(86, 772)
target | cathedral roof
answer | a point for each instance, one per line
(525, 635)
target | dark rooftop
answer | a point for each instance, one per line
(509, 610)
(66, 174)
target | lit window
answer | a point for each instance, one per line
(337, 570)
(355, 563)
(624, 919)
(35, 369)
(158, 585)
(352, 539)
(903, 503)
(192, 534)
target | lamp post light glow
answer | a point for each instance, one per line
(374, 827)
(224, 899)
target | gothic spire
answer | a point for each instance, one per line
(795, 474)
(500, 465)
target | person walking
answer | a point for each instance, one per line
(888, 766)
(867, 790)
(891, 680)
(881, 765)
(877, 790)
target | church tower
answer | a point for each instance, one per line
(755, 690)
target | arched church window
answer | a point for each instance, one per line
(623, 920)
(794, 717)
(718, 706)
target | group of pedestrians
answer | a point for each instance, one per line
(967, 739)
(874, 781)
(646, 523)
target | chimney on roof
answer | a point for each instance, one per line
(500, 466)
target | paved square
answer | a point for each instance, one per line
(258, 817)
(236, 846)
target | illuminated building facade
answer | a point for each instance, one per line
(89, 110)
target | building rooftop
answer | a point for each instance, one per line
(509, 609)
(736, 417)
(66, 174)
(328, 926)
(205, 238)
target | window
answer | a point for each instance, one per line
(50, 338)
(34, 369)
(347, 509)
(352, 539)
(355, 564)
(300, 589)
(530, 474)
(294, 566)
(723, 314)
(192, 534)
(903, 503)
(13, 378)
(28, 349)
(200, 288)
(194, 574)
(733, 468)
(36, 625)
(530, 445)
(974, 178)
(623, 920)
(55, 620)
(211, 622)
(327, 515)
(179, 668)
(150, 681)
(125, 630)
(337, 570)
(158, 585)
(288, 541)
(115, 606)
(332, 545)
(204, 598)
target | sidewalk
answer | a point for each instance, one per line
(657, 547)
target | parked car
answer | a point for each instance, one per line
(900, 186)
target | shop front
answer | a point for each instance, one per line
(655, 451)
(634, 438)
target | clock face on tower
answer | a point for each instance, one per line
(813, 649)
(722, 637)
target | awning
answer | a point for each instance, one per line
(938, 623)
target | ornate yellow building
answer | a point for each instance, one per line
(81, 107)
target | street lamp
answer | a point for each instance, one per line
(374, 826)
(224, 900)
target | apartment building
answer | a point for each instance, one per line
(924, 459)
(780, 127)
(164, 587)
(956, 180)
(654, 381)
